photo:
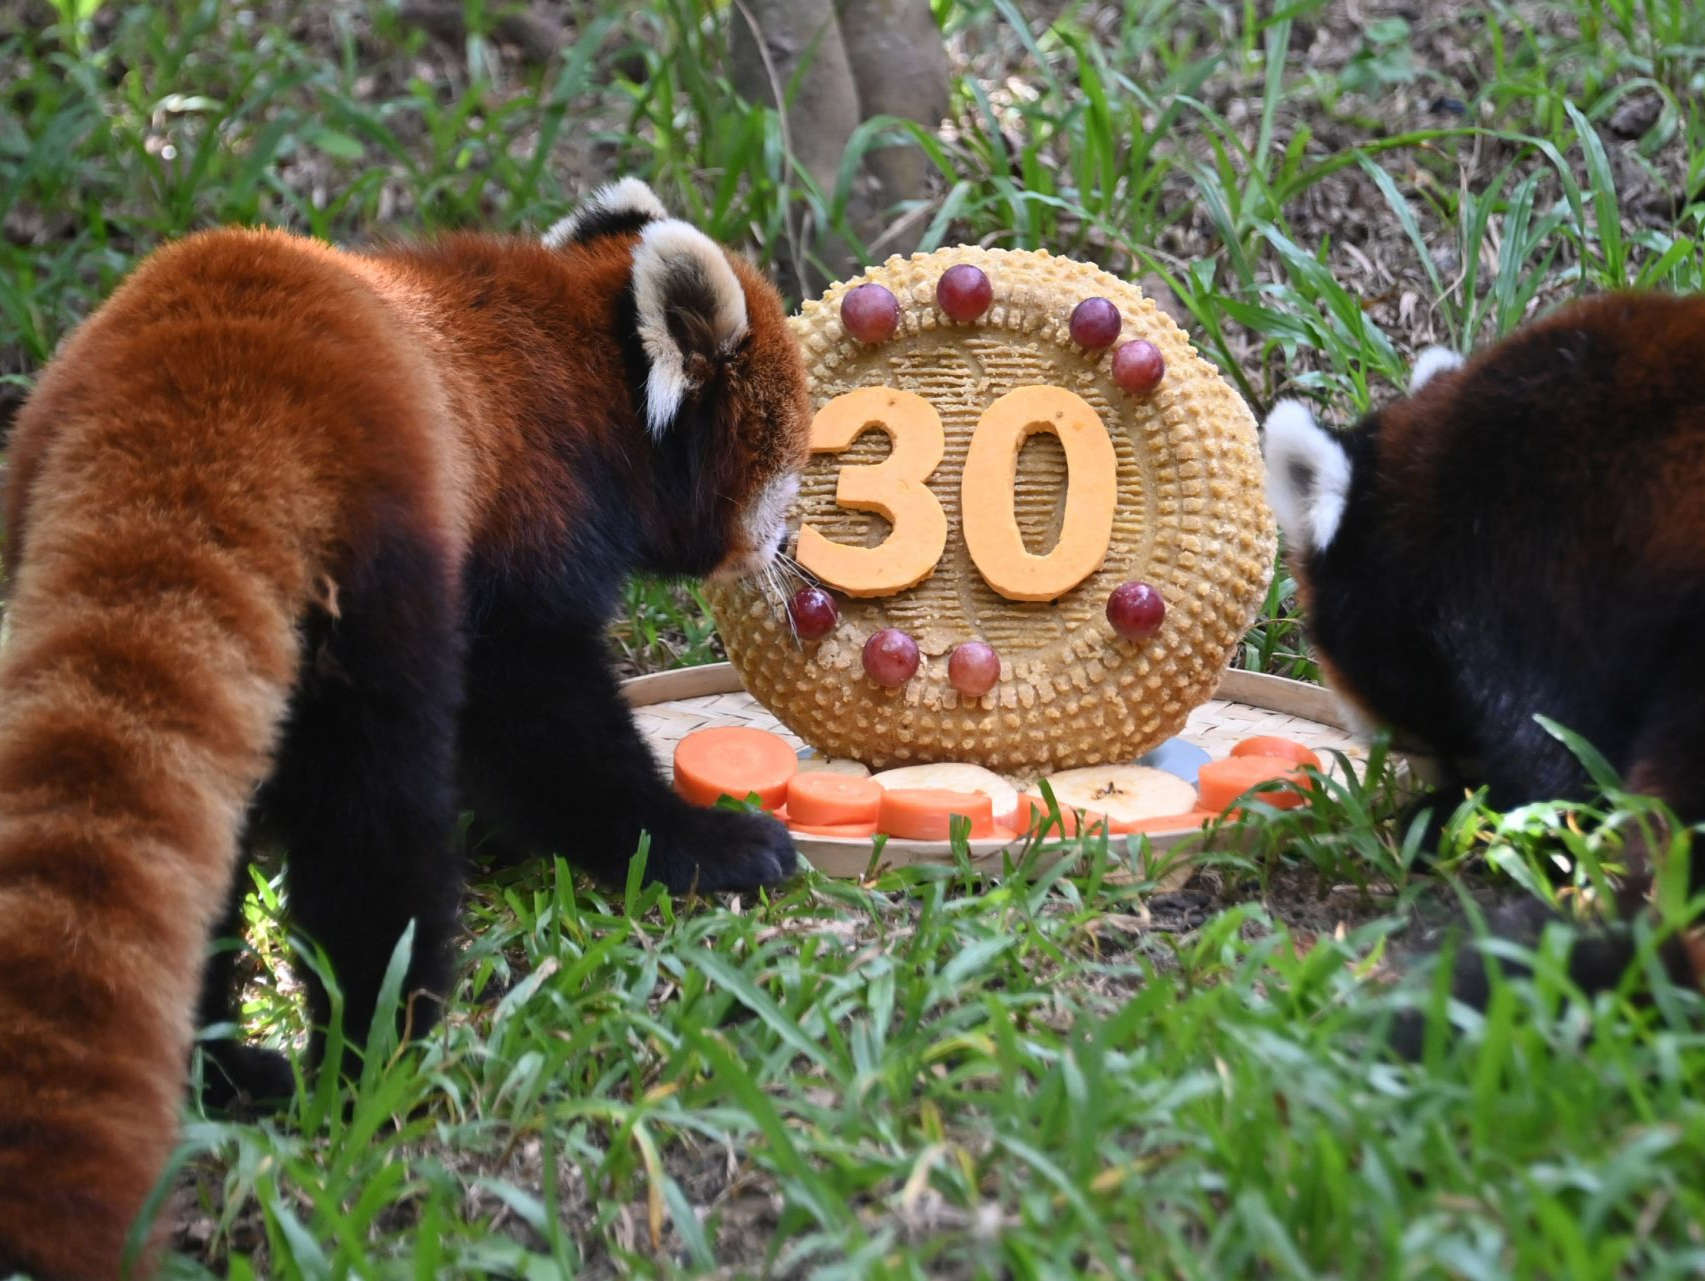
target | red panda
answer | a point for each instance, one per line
(1521, 536)
(323, 544)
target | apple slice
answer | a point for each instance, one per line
(1124, 793)
(811, 763)
(953, 776)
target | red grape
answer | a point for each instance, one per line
(1095, 323)
(1136, 610)
(1138, 366)
(973, 668)
(964, 292)
(813, 612)
(890, 657)
(870, 313)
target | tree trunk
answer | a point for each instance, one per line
(826, 66)
(900, 65)
(788, 54)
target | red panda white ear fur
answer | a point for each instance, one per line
(1308, 475)
(625, 201)
(691, 309)
(1430, 364)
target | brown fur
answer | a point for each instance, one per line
(192, 478)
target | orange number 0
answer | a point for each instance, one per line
(896, 488)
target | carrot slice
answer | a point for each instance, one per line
(734, 760)
(1168, 823)
(926, 813)
(1032, 807)
(831, 800)
(1286, 749)
(1222, 782)
(858, 831)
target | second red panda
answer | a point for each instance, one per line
(1524, 535)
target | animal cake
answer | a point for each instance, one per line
(1031, 532)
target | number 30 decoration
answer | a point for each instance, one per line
(896, 489)
(957, 539)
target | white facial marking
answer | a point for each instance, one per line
(766, 518)
(677, 266)
(1308, 475)
(627, 195)
(1352, 717)
(763, 526)
(1430, 364)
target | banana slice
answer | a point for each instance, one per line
(810, 762)
(955, 777)
(1124, 793)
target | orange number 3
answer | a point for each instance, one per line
(896, 487)
(893, 487)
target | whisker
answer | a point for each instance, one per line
(799, 572)
(779, 599)
(763, 579)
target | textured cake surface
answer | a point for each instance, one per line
(1190, 519)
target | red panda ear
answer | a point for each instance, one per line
(1308, 476)
(1430, 364)
(625, 205)
(691, 313)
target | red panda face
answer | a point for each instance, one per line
(1371, 629)
(723, 392)
(765, 399)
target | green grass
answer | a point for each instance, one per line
(925, 1073)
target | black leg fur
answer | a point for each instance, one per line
(1668, 747)
(1598, 961)
(1669, 756)
(553, 762)
(363, 796)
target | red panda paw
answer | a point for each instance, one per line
(717, 851)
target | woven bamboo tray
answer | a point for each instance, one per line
(670, 705)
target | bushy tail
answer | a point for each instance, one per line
(150, 657)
